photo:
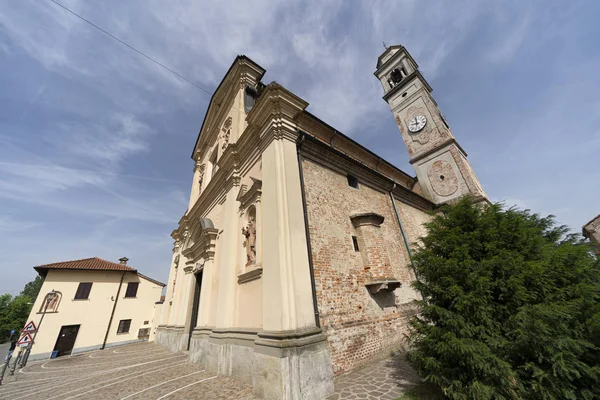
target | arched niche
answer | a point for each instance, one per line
(54, 303)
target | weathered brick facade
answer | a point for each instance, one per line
(360, 326)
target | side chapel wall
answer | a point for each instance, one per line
(360, 327)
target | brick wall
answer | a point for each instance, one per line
(361, 327)
(591, 230)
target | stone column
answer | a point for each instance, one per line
(185, 305)
(171, 283)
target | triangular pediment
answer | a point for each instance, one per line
(243, 71)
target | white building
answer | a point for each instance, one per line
(93, 303)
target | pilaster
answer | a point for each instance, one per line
(228, 262)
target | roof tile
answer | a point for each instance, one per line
(93, 263)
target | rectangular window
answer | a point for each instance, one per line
(83, 291)
(355, 243)
(353, 181)
(132, 288)
(124, 326)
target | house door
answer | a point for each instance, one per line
(195, 306)
(66, 339)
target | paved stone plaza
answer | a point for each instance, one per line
(387, 380)
(147, 371)
(141, 371)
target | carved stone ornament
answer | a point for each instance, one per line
(226, 133)
(199, 266)
(201, 169)
(176, 245)
(176, 263)
(442, 177)
(250, 244)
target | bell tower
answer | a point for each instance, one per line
(443, 171)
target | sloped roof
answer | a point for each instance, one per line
(93, 263)
(151, 280)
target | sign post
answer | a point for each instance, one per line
(30, 327)
(25, 340)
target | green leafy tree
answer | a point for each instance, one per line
(13, 313)
(510, 309)
(15, 310)
(32, 288)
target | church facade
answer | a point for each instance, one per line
(292, 263)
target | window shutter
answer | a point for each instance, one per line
(132, 288)
(83, 290)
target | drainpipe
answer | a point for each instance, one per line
(403, 232)
(308, 247)
(112, 314)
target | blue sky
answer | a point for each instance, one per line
(95, 140)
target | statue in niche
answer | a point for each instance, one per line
(176, 261)
(250, 233)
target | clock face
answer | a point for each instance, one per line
(417, 123)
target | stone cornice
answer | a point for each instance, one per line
(271, 118)
(340, 142)
(203, 246)
(242, 71)
(315, 150)
(249, 276)
(276, 103)
(246, 196)
(405, 82)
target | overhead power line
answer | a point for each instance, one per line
(131, 47)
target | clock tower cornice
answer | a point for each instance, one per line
(405, 82)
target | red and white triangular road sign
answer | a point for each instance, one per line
(30, 327)
(25, 339)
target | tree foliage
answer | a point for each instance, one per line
(32, 288)
(15, 310)
(510, 309)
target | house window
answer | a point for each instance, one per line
(352, 181)
(124, 326)
(132, 288)
(355, 243)
(83, 291)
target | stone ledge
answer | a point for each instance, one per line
(250, 275)
(369, 218)
(273, 343)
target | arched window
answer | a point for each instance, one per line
(53, 304)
